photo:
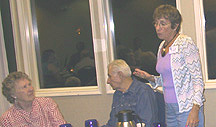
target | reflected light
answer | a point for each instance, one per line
(78, 31)
(71, 70)
(112, 26)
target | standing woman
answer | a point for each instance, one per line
(27, 110)
(178, 63)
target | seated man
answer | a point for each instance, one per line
(130, 94)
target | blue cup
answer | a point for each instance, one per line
(91, 123)
(159, 125)
(66, 125)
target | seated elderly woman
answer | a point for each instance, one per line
(27, 110)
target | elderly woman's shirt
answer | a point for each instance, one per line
(45, 113)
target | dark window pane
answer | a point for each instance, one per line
(210, 15)
(8, 35)
(64, 43)
(136, 40)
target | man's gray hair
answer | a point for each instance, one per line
(120, 65)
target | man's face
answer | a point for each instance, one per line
(114, 79)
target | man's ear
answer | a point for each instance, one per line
(121, 75)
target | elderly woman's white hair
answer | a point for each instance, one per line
(8, 85)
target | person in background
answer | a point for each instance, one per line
(128, 55)
(51, 69)
(85, 69)
(76, 57)
(178, 63)
(72, 81)
(27, 110)
(130, 94)
(85, 61)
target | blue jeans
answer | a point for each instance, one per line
(176, 119)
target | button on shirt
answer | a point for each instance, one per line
(45, 113)
(139, 98)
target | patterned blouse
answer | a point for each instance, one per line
(45, 113)
(186, 73)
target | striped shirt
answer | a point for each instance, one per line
(45, 113)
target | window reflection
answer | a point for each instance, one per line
(210, 15)
(65, 48)
(136, 40)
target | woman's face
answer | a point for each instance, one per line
(163, 29)
(24, 91)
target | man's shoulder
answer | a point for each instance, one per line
(142, 85)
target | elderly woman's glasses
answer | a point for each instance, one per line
(160, 24)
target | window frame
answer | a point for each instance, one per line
(201, 42)
(26, 53)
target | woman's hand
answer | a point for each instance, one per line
(193, 117)
(143, 74)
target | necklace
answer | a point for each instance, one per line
(168, 44)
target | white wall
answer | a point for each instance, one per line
(209, 108)
(77, 109)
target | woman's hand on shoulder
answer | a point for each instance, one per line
(140, 73)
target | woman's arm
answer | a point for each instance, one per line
(144, 75)
(155, 81)
(192, 59)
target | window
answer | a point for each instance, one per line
(8, 35)
(210, 30)
(204, 11)
(25, 28)
(64, 43)
(132, 34)
(135, 38)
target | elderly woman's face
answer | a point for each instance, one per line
(163, 29)
(24, 91)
